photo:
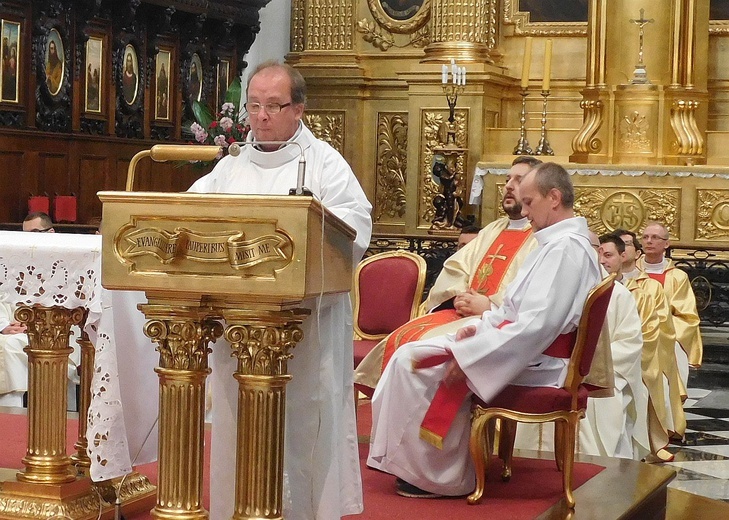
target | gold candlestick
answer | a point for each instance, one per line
(543, 147)
(522, 147)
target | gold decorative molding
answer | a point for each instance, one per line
(392, 140)
(634, 131)
(712, 215)
(182, 342)
(466, 30)
(402, 20)
(84, 507)
(432, 123)
(263, 349)
(592, 119)
(689, 140)
(328, 24)
(298, 30)
(522, 25)
(327, 125)
(383, 39)
(607, 209)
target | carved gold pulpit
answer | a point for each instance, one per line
(237, 265)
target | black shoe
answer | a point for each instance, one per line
(405, 489)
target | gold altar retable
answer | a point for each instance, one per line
(237, 265)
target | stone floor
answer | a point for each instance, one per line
(702, 459)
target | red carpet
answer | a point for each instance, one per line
(534, 487)
(521, 498)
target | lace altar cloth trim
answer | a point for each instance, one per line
(54, 269)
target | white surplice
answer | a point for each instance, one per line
(321, 461)
(545, 300)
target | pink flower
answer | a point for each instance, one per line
(220, 141)
(226, 123)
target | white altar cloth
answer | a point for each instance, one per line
(61, 269)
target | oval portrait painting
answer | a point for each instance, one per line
(194, 82)
(401, 9)
(400, 16)
(130, 75)
(55, 65)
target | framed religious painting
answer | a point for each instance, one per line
(223, 81)
(55, 64)
(10, 50)
(400, 16)
(719, 17)
(194, 78)
(130, 74)
(94, 74)
(546, 17)
(162, 70)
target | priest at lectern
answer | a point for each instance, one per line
(321, 461)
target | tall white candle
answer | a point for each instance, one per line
(444, 74)
(547, 65)
(526, 63)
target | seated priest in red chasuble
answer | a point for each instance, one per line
(471, 280)
(421, 407)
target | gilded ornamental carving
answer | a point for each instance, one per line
(182, 343)
(392, 140)
(607, 209)
(327, 126)
(634, 132)
(712, 214)
(261, 348)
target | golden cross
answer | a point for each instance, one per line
(487, 269)
(641, 23)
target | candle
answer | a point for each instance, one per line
(455, 75)
(463, 77)
(444, 74)
(547, 65)
(527, 63)
(453, 66)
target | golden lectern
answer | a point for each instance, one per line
(213, 264)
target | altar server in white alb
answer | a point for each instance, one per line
(321, 462)
(512, 344)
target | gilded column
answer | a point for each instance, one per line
(182, 332)
(646, 78)
(464, 30)
(81, 458)
(46, 461)
(592, 138)
(262, 342)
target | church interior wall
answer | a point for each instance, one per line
(59, 136)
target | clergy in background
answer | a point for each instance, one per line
(474, 277)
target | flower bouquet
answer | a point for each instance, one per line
(223, 128)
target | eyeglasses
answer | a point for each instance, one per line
(41, 230)
(654, 237)
(270, 108)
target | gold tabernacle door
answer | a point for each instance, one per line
(232, 265)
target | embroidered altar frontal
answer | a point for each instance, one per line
(692, 202)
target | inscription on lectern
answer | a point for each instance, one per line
(226, 246)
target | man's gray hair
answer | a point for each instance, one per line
(298, 84)
(550, 176)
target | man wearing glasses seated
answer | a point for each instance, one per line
(38, 222)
